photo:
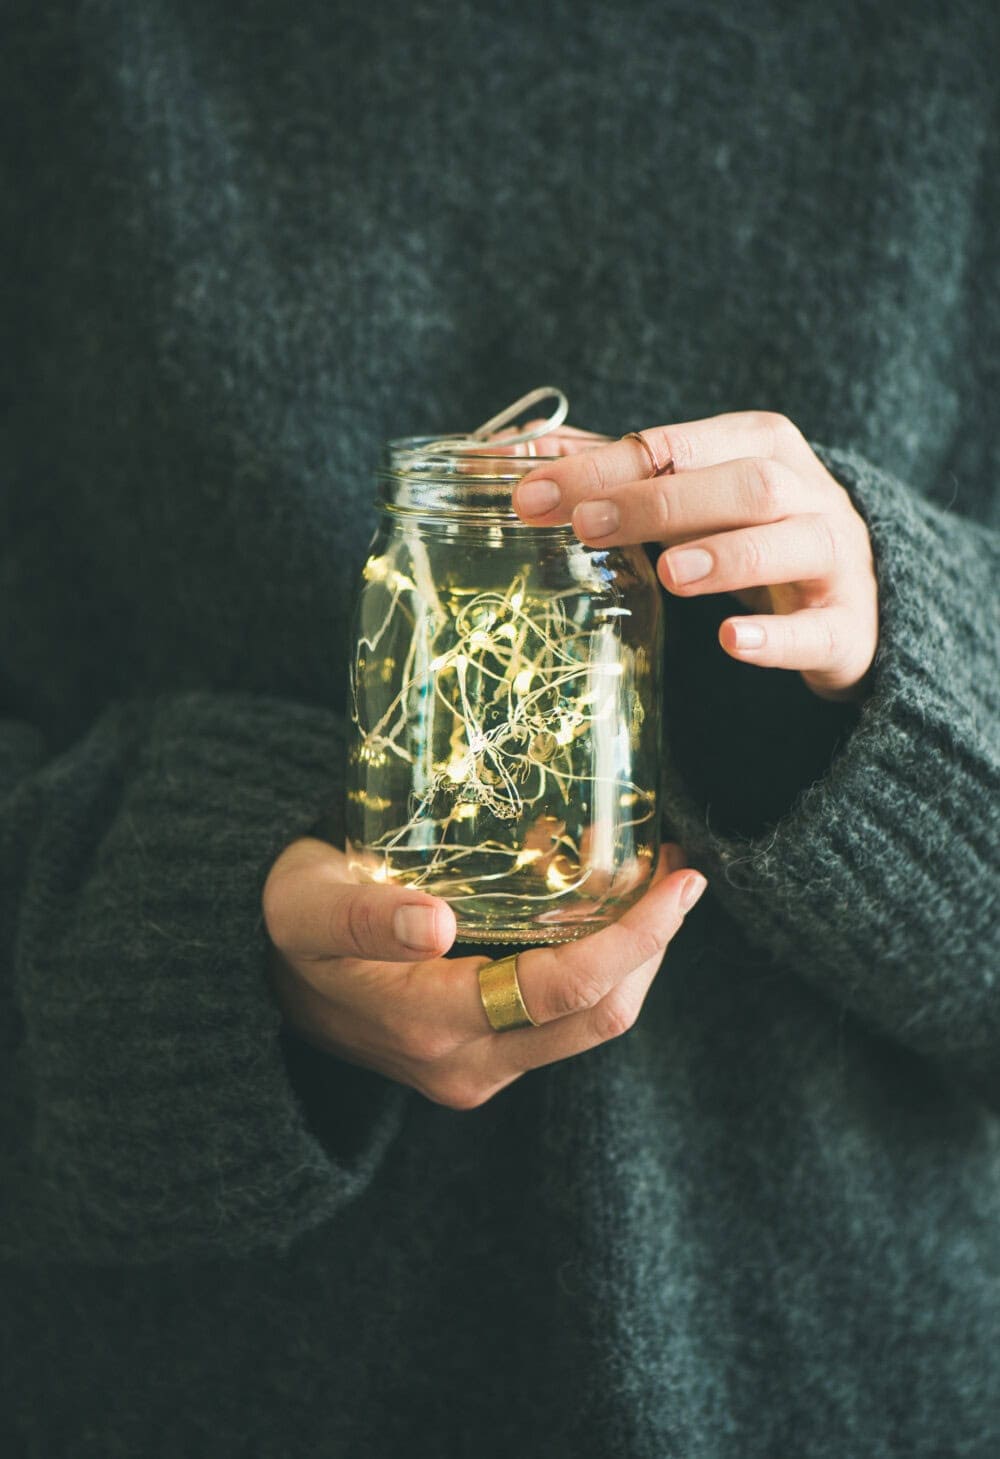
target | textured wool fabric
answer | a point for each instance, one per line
(246, 245)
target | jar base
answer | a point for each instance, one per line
(552, 928)
(524, 936)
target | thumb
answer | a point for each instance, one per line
(323, 915)
(386, 924)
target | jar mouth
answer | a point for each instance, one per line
(425, 474)
(447, 456)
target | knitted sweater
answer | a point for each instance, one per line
(247, 244)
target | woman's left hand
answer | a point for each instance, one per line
(750, 510)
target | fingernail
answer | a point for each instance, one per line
(748, 635)
(688, 564)
(535, 498)
(596, 519)
(415, 926)
(693, 888)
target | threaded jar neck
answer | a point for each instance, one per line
(421, 474)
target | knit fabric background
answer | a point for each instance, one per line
(244, 245)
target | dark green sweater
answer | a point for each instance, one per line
(247, 242)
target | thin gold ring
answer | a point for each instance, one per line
(658, 470)
(501, 995)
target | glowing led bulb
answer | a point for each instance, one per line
(555, 880)
(375, 570)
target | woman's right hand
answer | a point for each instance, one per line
(358, 970)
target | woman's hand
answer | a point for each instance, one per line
(358, 971)
(749, 510)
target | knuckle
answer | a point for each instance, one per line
(615, 1016)
(774, 426)
(594, 472)
(647, 944)
(358, 921)
(421, 1043)
(576, 994)
(659, 502)
(828, 540)
(790, 638)
(769, 487)
(787, 432)
(752, 555)
(458, 1091)
(831, 639)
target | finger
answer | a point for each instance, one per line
(740, 493)
(799, 549)
(613, 1014)
(822, 642)
(324, 916)
(560, 981)
(616, 1013)
(691, 446)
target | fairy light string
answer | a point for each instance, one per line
(500, 696)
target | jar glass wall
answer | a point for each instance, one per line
(505, 692)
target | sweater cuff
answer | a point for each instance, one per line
(166, 1120)
(879, 883)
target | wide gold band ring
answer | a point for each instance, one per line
(657, 469)
(501, 995)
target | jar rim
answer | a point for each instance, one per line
(406, 455)
(414, 477)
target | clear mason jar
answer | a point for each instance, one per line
(505, 693)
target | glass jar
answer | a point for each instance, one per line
(505, 693)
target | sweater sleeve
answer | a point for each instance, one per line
(152, 1109)
(879, 883)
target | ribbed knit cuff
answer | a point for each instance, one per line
(166, 1123)
(879, 885)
